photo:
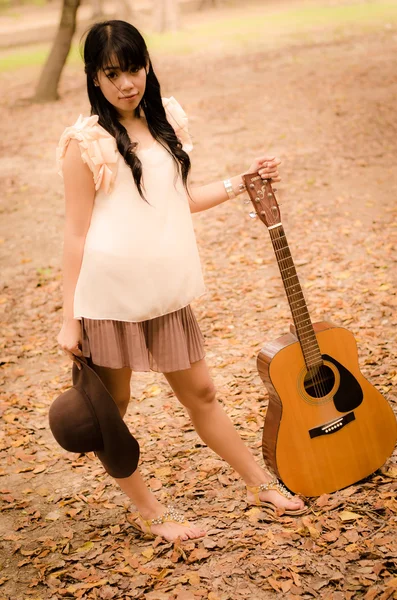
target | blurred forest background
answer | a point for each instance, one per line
(311, 81)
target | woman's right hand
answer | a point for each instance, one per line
(69, 339)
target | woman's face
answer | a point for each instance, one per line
(123, 89)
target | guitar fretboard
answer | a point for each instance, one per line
(296, 299)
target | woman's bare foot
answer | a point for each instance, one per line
(279, 497)
(170, 525)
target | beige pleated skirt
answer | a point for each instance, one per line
(164, 344)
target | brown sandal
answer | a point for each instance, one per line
(276, 485)
(170, 516)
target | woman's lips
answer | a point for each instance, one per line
(129, 97)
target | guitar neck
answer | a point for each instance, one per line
(300, 314)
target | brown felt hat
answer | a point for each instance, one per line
(85, 418)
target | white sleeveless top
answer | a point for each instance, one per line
(140, 258)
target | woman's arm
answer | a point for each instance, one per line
(79, 201)
(207, 196)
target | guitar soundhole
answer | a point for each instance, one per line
(319, 381)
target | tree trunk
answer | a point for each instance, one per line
(47, 88)
(166, 15)
(125, 10)
(210, 3)
(97, 9)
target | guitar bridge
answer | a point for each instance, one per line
(332, 426)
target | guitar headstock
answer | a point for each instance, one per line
(262, 197)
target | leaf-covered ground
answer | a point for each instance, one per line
(328, 110)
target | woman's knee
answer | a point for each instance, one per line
(202, 398)
(122, 404)
(117, 381)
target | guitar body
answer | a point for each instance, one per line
(322, 441)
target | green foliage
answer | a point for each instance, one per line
(35, 55)
(270, 27)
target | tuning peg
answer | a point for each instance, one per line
(253, 214)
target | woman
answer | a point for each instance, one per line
(131, 265)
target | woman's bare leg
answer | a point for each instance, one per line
(195, 390)
(117, 382)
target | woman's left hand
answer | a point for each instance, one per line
(267, 167)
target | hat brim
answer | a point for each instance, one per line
(120, 452)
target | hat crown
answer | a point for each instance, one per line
(85, 418)
(73, 424)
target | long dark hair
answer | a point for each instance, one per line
(122, 41)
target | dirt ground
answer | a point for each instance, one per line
(328, 111)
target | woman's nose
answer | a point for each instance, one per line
(127, 82)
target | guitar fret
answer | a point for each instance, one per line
(306, 353)
(296, 277)
(306, 326)
(308, 339)
(281, 249)
(287, 258)
(299, 311)
(313, 354)
(301, 316)
(298, 292)
(309, 343)
(306, 333)
(287, 270)
(300, 321)
(295, 301)
(279, 237)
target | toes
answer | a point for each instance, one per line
(195, 533)
(298, 504)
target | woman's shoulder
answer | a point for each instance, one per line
(85, 128)
(178, 119)
(97, 147)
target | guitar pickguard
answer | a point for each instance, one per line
(349, 394)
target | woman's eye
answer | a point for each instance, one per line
(134, 69)
(111, 75)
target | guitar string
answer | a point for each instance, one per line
(314, 372)
(276, 238)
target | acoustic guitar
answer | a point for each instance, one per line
(326, 426)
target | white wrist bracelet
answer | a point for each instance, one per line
(229, 188)
(230, 191)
